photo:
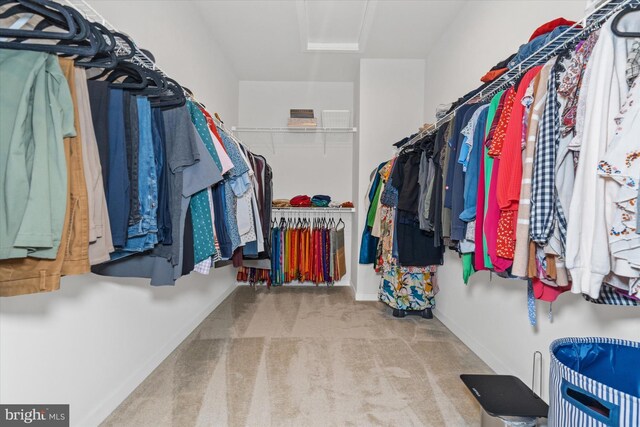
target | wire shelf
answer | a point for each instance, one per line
(314, 210)
(122, 48)
(294, 129)
(573, 34)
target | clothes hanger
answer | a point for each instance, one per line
(55, 20)
(107, 39)
(106, 57)
(88, 35)
(616, 22)
(50, 12)
(160, 80)
(404, 141)
(100, 40)
(109, 56)
(173, 97)
(137, 76)
(340, 222)
(139, 72)
(157, 83)
(72, 42)
(127, 40)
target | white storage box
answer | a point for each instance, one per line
(336, 118)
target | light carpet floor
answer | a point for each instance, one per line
(308, 357)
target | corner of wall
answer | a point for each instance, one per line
(355, 189)
(138, 375)
(494, 361)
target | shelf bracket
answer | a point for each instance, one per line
(324, 140)
(273, 145)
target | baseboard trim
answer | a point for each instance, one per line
(302, 285)
(366, 297)
(474, 344)
(108, 405)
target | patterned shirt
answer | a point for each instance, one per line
(496, 120)
(203, 240)
(571, 82)
(633, 63)
(501, 129)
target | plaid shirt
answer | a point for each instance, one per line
(545, 208)
(203, 267)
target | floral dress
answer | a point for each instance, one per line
(408, 288)
(404, 288)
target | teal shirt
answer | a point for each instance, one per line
(203, 240)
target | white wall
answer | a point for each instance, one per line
(355, 176)
(490, 315)
(391, 93)
(300, 164)
(91, 343)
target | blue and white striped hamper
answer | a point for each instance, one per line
(594, 382)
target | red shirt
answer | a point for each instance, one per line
(550, 26)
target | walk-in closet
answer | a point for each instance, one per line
(319, 213)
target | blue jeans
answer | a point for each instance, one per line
(143, 235)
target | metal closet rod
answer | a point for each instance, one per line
(139, 56)
(315, 210)
(589, 23)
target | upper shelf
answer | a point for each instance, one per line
(313, 210)
(293, 129)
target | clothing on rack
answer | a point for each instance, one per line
(538, 181)
(399, 231)
(123, 178)
(303, 250)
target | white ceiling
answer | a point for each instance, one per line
(267, 40)
(333, 22)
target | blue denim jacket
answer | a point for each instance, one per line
(527, 49)
(471, 178)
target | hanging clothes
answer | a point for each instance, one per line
(103, 178)
(304, 251)
(540, 182)
(588, 261)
